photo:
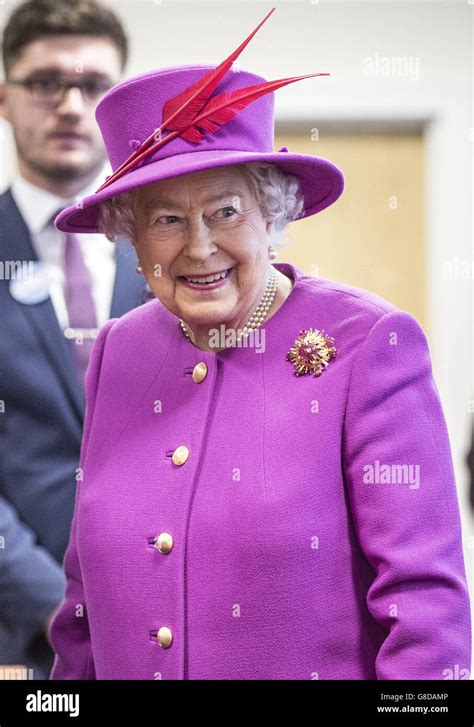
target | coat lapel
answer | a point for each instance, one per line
(41, 317)
(127, 293)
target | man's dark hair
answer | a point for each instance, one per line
(38, 18)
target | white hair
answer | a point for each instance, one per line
(278, 195)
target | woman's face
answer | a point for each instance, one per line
(198, 225)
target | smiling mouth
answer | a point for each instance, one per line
(207, 279)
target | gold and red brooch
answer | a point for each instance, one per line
(311, 352)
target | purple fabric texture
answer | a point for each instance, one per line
(287, 562)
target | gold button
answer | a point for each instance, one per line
(180, 455)
(164, 543)
(199, 372)
(165, 637)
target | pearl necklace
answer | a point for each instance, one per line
(260, 313)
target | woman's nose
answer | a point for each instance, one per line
(200, 243)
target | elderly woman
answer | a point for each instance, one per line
(266, 486)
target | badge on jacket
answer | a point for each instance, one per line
(32, 286)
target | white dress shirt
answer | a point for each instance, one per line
(36, 207)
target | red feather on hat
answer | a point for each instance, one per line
(193, 109)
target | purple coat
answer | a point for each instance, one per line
(315, 524)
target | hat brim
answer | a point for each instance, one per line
(321, 181)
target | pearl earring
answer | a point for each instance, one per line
(139, 268)
(272, 253)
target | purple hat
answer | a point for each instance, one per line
(198, 131)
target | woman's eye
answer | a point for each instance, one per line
(225, 213)
(169, 219)
(225, 210)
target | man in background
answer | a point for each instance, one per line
(60, 57)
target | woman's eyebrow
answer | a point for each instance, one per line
(166, 202)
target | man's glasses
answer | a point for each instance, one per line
(51, 91)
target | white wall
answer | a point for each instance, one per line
(339, 37)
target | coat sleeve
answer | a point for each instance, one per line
(69, 631)
(406, 516)
(31, 580)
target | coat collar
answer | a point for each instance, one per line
(37, 205)
(168, 324)
(41, 317)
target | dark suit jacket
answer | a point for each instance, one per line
(41, 417)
